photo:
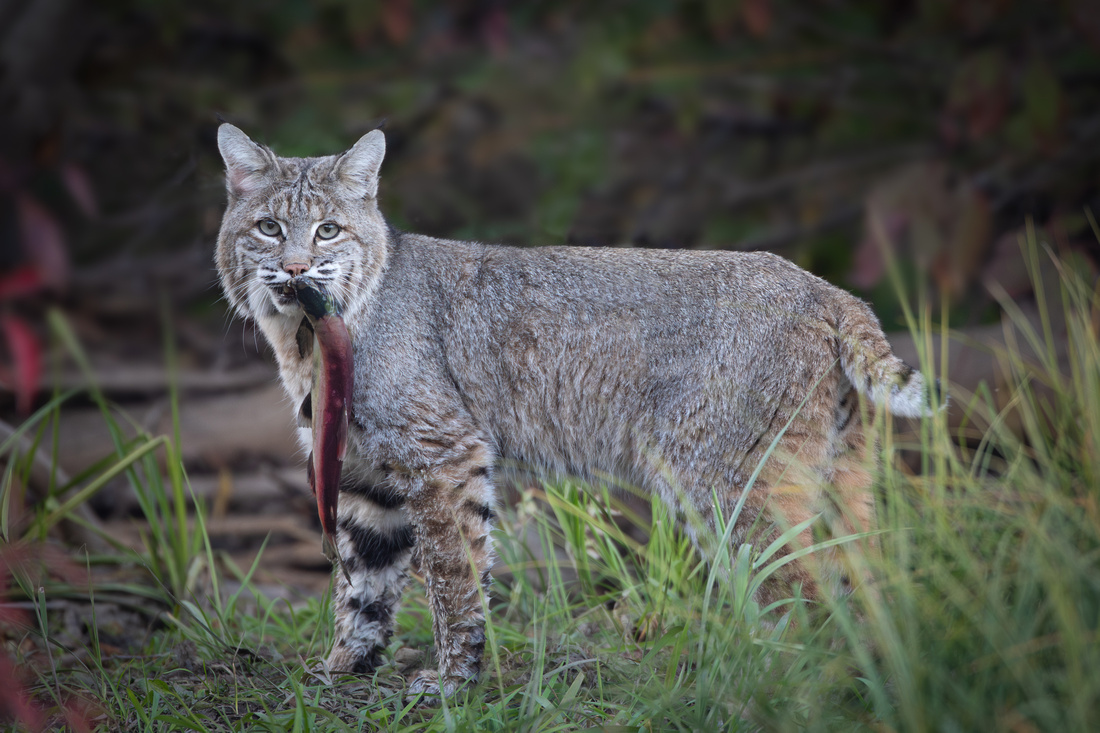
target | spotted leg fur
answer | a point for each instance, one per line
(443, 514)
(376, 542)
(452, 511)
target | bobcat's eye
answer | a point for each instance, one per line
(270, 227)
(327, 231)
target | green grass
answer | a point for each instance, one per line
(983, 612)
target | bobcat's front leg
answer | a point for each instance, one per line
(451, 507)
(375, 540)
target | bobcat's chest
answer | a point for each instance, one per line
(293, 354)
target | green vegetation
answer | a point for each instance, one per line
(981, 612)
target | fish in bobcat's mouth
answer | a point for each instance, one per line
(283, 295)
(330, 399)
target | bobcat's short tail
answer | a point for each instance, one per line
(874, 371)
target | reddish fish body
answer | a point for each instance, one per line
(333, 379)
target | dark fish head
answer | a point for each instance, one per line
(314, 300)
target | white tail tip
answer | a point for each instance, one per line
(912, 398)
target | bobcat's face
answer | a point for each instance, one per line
(299, 217)
(295, 229)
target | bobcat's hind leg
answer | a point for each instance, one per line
(853, 464)
(452, 511)
(833, 482)
(375, 540)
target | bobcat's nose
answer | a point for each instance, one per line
(294, 269)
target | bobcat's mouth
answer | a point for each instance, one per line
(284, 295)
(288, 294)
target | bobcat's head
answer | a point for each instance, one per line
(299, 217)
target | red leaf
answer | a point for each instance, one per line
(79, 187)
(20, 282)
(15, 703)
(26, 356)
(78, 715)
(758, 17)
(494, 29)
(397, 20)
(14, 618)
(43, 240)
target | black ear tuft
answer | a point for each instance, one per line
(220, 119)
(381, 124)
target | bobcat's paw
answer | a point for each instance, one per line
(427, 682)
(352, 661)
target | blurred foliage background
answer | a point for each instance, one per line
(828, 131)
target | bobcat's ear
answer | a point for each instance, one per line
(358, 168)
(247, 164)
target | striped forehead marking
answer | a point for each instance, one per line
(304, 195)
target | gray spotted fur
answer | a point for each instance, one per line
(669, 370)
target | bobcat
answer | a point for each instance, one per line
(669, 370)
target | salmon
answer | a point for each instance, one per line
(330, 398)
